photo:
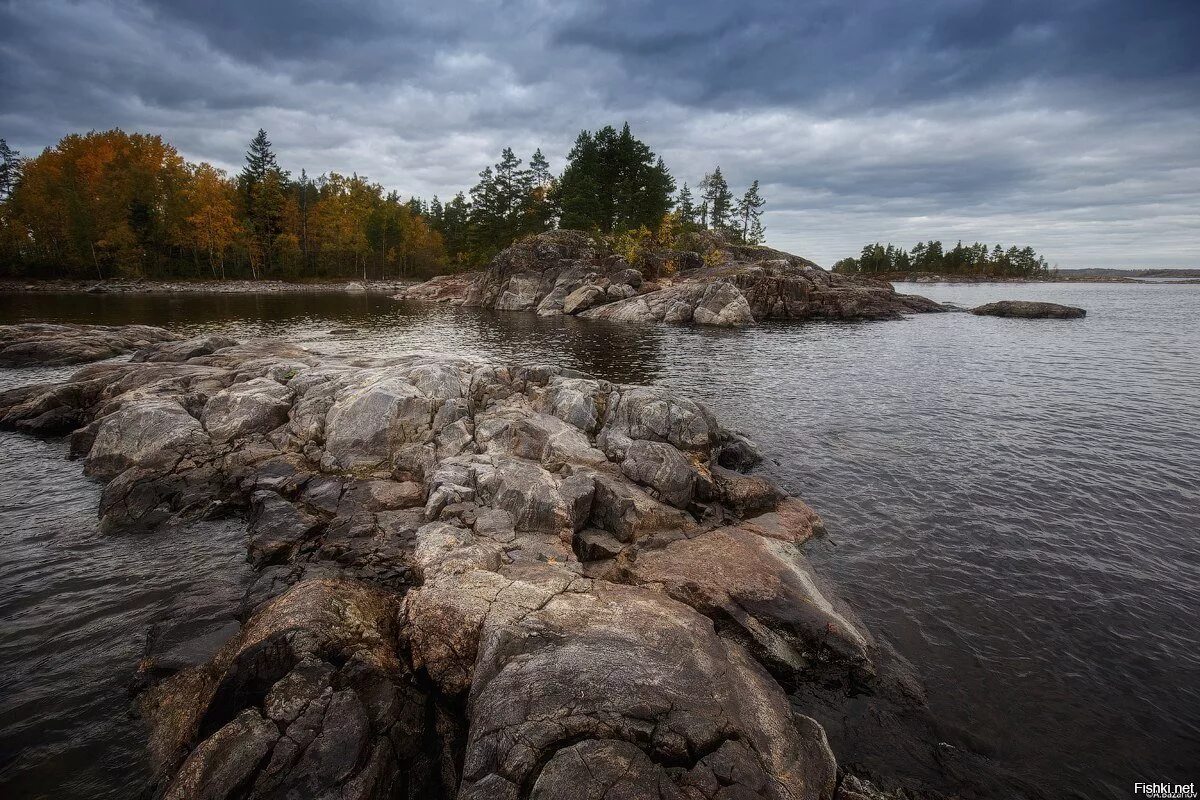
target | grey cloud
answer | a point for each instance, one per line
(1067, 125)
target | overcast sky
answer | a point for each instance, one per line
(1070, 125)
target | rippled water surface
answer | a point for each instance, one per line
(1013, 504)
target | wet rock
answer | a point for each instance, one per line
(277, 528)
(43, 344)
(473, 579)
(1027, 309)
(761, 593)
(442, 288)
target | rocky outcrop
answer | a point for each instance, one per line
(757, 284)
(451, 289)
(539, 273)
(1028, 309)
(473, 580)
(42, 344)
(568, 272)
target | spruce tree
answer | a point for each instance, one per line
(685, 207)
(263, 184)
(578, 191)
(539, 211)
(539, 170)
(613, 182)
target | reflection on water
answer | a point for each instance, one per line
(1014, 504)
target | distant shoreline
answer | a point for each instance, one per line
(925, 277)
(201, 287)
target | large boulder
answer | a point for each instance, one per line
(42, 344)
(1028, 309)
(538, 273)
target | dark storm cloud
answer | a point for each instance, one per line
(1067, 124)
(884, 52)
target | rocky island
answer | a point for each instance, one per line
(473, 580)
(716, 283)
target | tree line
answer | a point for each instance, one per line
(932, 257)
(113, 204)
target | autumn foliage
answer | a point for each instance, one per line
(115, 204)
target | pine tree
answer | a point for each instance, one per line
(749, 216)
(719, 199)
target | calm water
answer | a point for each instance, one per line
(1013, 504)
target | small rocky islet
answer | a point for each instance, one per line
(719, 283)
(479, 580)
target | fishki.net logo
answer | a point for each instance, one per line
(1165, 791)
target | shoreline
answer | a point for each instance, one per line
(13, 286)
(974, 279)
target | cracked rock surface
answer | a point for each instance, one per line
(473, 580)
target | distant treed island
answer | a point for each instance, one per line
(932, 258)
(123, 205)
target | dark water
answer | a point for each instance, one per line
(1015, 505)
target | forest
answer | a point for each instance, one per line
(113, 204)
(933, 258)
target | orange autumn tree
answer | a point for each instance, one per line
(105, 203)
(112, 204)
(212, 227)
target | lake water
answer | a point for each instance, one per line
(1014, 505)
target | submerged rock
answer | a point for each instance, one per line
(1028, 309)
(474, 580)
(42, 344)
